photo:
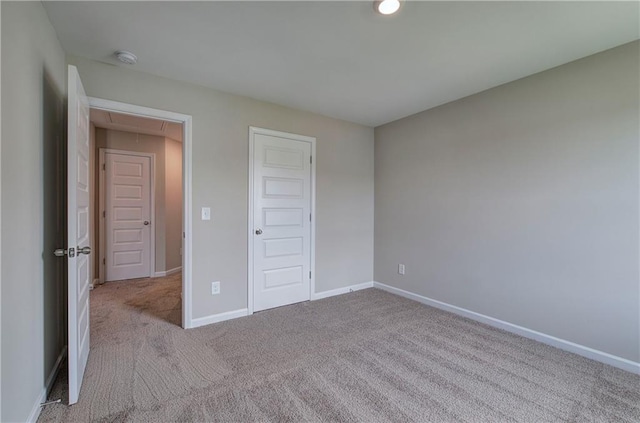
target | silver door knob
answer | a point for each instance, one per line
(61, 252)
(258, 231)
(84, 250)
(146, 222)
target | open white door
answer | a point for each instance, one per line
(78, 231)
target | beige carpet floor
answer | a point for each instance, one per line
(367, 356)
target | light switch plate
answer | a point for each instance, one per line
(401, 269)
(206, 213)
(215, 288)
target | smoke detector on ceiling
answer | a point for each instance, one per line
(126, 57)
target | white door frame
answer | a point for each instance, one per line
(250, 227)
(103, 206)
(187, 206)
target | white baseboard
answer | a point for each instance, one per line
(168, 272)
(340, 291)
(35, 411)
(95, 283)
(601, 356)
(37, 408)
(56, 368)
(220, 317)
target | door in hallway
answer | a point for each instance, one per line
(127, 216)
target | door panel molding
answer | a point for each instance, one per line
(292, 161)
(103, 207)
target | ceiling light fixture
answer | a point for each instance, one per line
(126, 57)
(387, 7)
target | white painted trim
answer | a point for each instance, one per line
(37, 406)
(250, 226)
(36, 409)
(314, 160)
(340, 291)
(220, 317)
(601, 356)
(135, 110)
(56, 368)
(187, 223)
(1, 222)
(168, 272)
(187, 169)
(174, 270)
(102, 272)
(103, 206)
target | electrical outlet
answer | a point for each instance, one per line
(401, 269)
(215, 288)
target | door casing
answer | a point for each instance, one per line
(187, 196)
(103, 206)
(250, 226)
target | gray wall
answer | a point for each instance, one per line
(33, 295)
(221, 121)
(521, 202)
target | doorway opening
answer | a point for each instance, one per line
(140, 165)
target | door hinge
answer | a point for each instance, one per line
(104, 213)
(309, 274)
(311, 159)
(104, 261)
(104, 166)
(309, 217)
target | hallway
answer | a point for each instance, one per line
(115, 306)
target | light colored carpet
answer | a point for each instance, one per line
(367, 356)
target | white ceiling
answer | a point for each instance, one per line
(137, 124)
(341, 59)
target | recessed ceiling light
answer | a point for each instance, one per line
(126, 57)
(387, 7)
